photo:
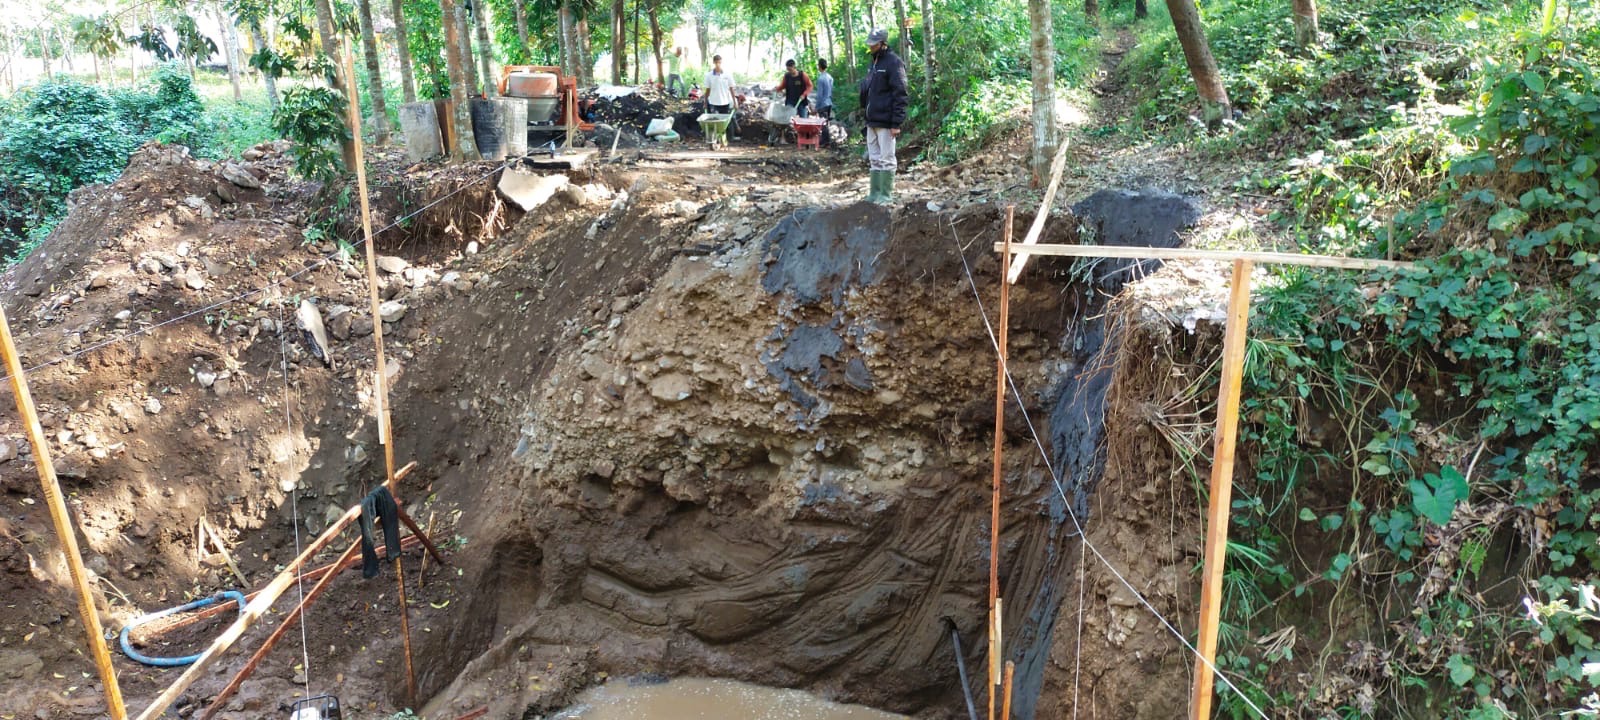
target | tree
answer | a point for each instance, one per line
(849, 41)
(330, 48)
(253, 15)
(402, 46)
(655, 40)
(1141, 9)
(1043, 52)
(1214, 106)
(619, 34)
(480, 17)
(904, 26)
(1305, 23)
(193, 46)
(929, 66)
(469, 62)
(466, 146)
(569, 55)
(1091, 9)
(702, 31)
(230, 50)
(521, 8)
(369, 48)
(100, 36)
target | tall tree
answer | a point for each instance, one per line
(569, 54)
(1141, 9)
(480, 17)
(929, 64)
(655, 40)
(1305, 22)
(1214, 106)
(637, 60)
(521, 8)
(1043, 54)
(402, 47)
(585, 54)
(619, 35)
(1091, 9)
(469, 62)
(827, 29)
(369, 48)
(849, 41)
(702, 32)
(904, 26)
(330, 48)
(466, 146)
(230, 49)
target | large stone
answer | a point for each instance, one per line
(671, 387)
(392, 265)
(529, 191)
(310, 320)
(240, 176)
(392, 311)
(341, 321)
(8, 450)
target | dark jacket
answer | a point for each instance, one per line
(883, 91)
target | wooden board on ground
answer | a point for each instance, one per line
(565, 160)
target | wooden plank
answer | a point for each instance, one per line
(252, 612)
(216, 540)
(1039, 218)
(1011, 671)
(1265, 258)
(353, 116)
(999, 442)
(1221, 487)
(62, 521)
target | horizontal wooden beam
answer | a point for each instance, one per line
(1152, 253)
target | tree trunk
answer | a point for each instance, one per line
(95, 60)
(469, 61)
(872, 15)
(827, 30)
(637, 60)
(930, 65)
(460, 117)
(1141, 9)
(1091, 9)
(1305, 23)
(44, 53)
(655, 42)
(480, 17)
(1043, 55)
(330, 47)
(702, 34)
(523, 52)
(230, 52)
(369, 48)
(904, 28)
(272, 84)
(585, 53)
(1214, 105)
(849, 41)
(402, 46)
(619, 40)
(569, 58)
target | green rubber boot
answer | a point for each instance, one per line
(886, 195)
(874, 193)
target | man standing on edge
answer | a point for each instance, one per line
(674, 66)
(884, 100)
(822, 97)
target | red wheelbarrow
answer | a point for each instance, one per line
(808, 131)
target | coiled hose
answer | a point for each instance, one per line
(127, 647)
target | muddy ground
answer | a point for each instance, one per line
(692, 417)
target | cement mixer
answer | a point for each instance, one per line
(552, 101)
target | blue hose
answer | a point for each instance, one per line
(127, 647)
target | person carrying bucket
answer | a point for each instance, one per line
(883, 100)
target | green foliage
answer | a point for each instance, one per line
(313, 117)
(61, 135)
(1496, 194)
(425, 35)
(989, 109)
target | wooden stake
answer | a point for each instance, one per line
(1181, 253)
(1045, 203)
(999, 443)
(62, 521)
(352, 113)
(1233, 350)
(1011, 669)
(422, 573)
(216, 540)
(405, 632)
(256, 609)
(345, 560)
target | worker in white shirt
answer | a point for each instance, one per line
(719, 93)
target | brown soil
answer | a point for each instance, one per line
(690, 418)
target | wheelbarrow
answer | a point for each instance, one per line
(808, 131)
(715, 127)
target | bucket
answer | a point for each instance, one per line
(489, 128)
(419, 121)
(516, 126)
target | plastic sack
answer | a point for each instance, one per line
(658, 126)
(779, 113)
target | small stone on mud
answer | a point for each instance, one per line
(239, 176)
(472, 248)
(8, 450)
(206, 378)
(194, 280)
(671, 387)
(98, 281)
(392, 311)
(123, 316)
(153, 406)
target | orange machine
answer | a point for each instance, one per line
(552, 97)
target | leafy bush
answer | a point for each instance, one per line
(990, 108)
(313, 117)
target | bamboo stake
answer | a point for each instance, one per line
(1153, 253)
(425, 537)
(277, 634)
(227, 557)
(999, 442)
(252, 612)
(353, 116)
(1233, 350)
(405, 632)
(62, 521)
(422, 573)
(1011, 669)
(1045, 203)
